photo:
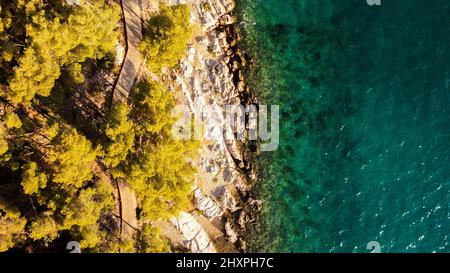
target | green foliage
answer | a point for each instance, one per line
(52, 130)
(10, 141)
(61, 190)
(3, 140)
(72, 156)
(32, 179)
(13, 18)
(78, 212)
(61, 185)
(90, 236)
(118, 246)
(12, 121)
(152, 106)
(7, 52)
(151, 240)
(165, 37)
(163, 179)
(12, 226)
(6, 47)
(76, 73)
(120, 133)
(30, 6)
(43, 228)
(160, 172)
(87, 33)
(85, 208)
(82, 212)
(2, 23)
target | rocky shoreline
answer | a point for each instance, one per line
(213, 75)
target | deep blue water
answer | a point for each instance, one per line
(365, 123)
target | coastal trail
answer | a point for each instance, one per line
(133, 35)
(127, 202)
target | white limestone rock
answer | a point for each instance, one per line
(74, 2)
(207, 205)
(226, 199)
(197, 240)
(120, 54)
(229, 231)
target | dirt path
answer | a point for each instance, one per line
(130, 68)
(128, 73)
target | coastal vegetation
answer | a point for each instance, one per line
(59, 172)
(165, 36)
(157, 170)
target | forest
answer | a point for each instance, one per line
(64, 143)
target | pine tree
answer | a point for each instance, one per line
(160, 172)
(87, 33)
(44, 228)
(60, 176)
(2, 24)
(12, 121)
(85, 207)
(12, 226)
(3, 140)
(165, 37)
(83, 213)
(120, 133)
(151, 240)
(152, 106)
(72, 156)
(32, 179)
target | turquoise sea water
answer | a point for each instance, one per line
(365, 124)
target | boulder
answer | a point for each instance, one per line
(73, 2)
(227, 19)
(206, 205)
(120, 54)
(226, 199)
(255, 204)
(229, 231)
(196, 238)
(243, 219)
(242, 186)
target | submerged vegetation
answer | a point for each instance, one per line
(57, 172)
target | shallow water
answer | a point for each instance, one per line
(365, 123)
